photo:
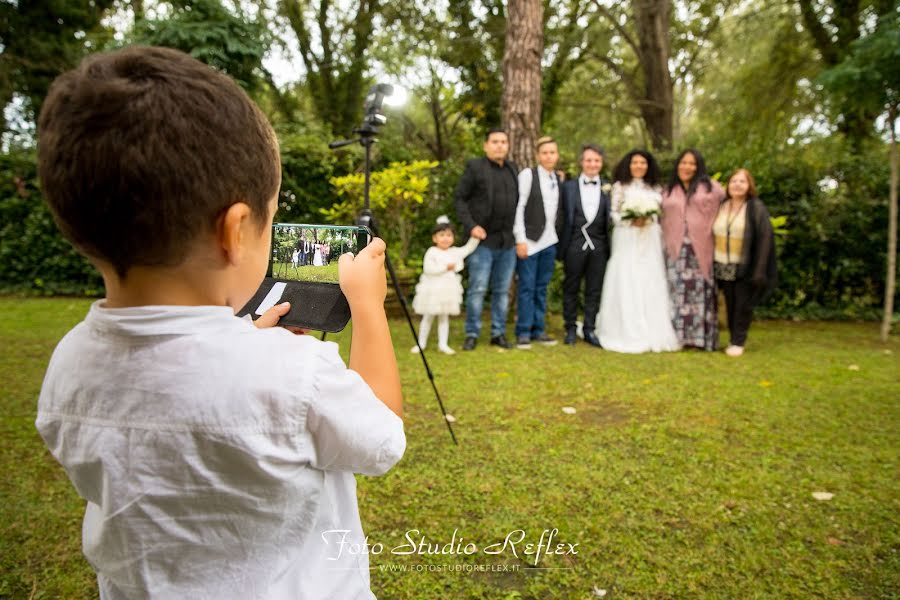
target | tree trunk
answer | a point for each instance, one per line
(890, 284)
(521, 102)
(652, 20)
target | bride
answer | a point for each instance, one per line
(635, 307)
(317, 257)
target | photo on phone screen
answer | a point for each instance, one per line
(310, 252)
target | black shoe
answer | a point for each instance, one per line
(544, 339)
(591, 338)
(470, 342)
(501, 341)
(570, 337)
(523, 342)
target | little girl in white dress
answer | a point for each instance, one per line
(439, 291)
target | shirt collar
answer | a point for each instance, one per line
(136, 321)
(585, 179)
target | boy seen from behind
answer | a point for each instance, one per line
(214, 456)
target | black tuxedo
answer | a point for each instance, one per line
(583, 257)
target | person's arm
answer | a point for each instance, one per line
(470, 247)
(525, 178)
(615, 209)
(462, 252)
(763, 241)
(463, 195)
(364, 283)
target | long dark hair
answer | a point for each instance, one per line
(701, 176)
(623, 169)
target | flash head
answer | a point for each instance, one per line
(374, 115)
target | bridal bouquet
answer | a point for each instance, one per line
(639, 206)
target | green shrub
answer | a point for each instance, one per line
(34, 257)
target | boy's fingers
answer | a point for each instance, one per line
(375, 248)
(271, 316)
(345, 260)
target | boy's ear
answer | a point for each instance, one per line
(232, 231)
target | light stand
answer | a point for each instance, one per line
(367, 132)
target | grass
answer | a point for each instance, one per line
(684, 475)
(325, 273)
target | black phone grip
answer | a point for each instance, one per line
(314, 305)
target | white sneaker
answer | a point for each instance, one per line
(446, 350)
(414, 349)
(734, 350)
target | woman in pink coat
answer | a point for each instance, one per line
(690, 204)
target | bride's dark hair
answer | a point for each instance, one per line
(623, 169)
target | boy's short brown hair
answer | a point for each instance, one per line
(140, 150)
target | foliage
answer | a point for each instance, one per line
(834, 26)
(40, 40)
(34, 257)
(681, 475)
(868, 80)
(396, 195)
(209, 32)
(335, 55)
(836, 205)
(307, 167)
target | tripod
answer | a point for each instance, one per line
(367, 133)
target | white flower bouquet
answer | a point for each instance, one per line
(640, 206)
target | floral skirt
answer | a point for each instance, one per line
(694, 301)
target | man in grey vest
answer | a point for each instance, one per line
(536, 238)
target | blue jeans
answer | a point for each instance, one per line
(534, 274)
(488, 266)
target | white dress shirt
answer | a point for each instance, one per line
(590, 196)
(213, 455)
(550, 191)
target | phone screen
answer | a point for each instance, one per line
(303, 252)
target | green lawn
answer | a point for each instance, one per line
(685, 475)
(325, 273)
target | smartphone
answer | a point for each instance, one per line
(303, 270)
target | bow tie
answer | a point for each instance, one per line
(591, 181)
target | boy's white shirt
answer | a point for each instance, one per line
(213, 455)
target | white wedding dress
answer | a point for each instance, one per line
(317, 257)
(635, 306)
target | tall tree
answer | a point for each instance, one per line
(335, 55)
(868, 81)
(660, 50)
(566, 42)
(522, 78)
(833, 26)
(475, 45)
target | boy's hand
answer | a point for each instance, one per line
(270, 317)
(362, 277)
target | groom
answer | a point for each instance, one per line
(584, 242)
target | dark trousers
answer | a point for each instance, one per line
(589, 265)
(739, 307)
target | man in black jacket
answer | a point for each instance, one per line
(486, 199)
